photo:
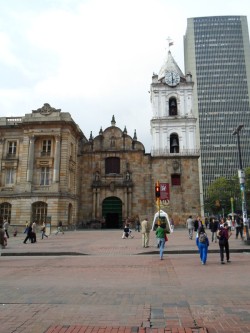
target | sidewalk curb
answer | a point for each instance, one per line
(31, 254)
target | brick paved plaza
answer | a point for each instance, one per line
(94, 281)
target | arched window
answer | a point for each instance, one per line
(39, 212)
(5, 212)
(172, 106)
(174, 143)
(112, 165)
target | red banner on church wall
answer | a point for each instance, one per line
(165, 193)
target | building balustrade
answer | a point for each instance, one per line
(118, 182)
(11, 155)
(183, 152)
(45, 153)
(13, 120)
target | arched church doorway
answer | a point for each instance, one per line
(112, 212)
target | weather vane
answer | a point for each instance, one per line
(170, 42)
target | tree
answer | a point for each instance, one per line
(222, 190)
(219, 194)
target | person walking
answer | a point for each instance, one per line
(59, 228)
(161, 236)
(26, 227)
(203, 243)
(145, 230)
(137, 224)
(29, 234)
(221, 222)
(190, 226)
(224, 234)
(6, 228)
(239, 227)
(229, 223)
(213, 226)
(197, 223)
(34, 231)
(43, 229)
(3, 238)
(172, 223)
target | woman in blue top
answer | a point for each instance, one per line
(203, 243)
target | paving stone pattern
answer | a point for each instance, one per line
(94, 281)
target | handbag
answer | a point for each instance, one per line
(166, 238)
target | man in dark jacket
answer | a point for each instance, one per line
(239, 227)
(224, 235)
(213, 226)
(29, 234)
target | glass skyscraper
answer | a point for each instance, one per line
(217, 54)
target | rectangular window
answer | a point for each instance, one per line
(45, 176)
(46, 148)
(112, 165)
(175, 180)
(12, 147)
(72, 151)
(10, 173)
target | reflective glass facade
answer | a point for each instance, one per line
(217, 53)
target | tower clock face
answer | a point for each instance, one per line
(172, 79)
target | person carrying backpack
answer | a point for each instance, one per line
(203, 243)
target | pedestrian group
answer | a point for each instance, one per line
(221, 231)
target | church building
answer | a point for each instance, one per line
(51, 172)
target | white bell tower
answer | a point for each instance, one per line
(173, 125)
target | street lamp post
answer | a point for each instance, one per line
(241, 175)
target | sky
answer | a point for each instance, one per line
(94, 58)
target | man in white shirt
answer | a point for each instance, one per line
(190, 226)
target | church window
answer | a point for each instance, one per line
(172, 105)
(175, 180)
(112, 165)
(174, 144)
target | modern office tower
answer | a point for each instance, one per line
(217, 54)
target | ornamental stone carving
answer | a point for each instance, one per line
(46, 109)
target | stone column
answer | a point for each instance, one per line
(94, 204)
(125, 207)
(98, 203)
(129, 201)
(31, 158)
(57, 160)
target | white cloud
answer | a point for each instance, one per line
(6, 56)
(93, 58)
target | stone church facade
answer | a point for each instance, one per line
(51, 172)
